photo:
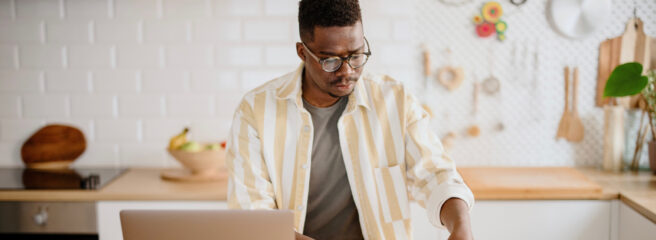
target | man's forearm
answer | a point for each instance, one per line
(455, 215)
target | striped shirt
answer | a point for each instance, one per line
(390, 154)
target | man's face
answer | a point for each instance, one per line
(330, 42)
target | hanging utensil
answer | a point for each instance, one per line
(427, 63)
(564, 120)
(575, 129)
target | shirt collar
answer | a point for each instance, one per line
(291, 89)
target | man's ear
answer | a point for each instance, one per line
(299, 51)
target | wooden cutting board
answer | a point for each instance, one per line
(529, 183)
(53, 147)
(632, 46)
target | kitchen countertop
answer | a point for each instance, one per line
(637, 190)
(134, 185)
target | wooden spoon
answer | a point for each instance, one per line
(575, 129)
(564, 120)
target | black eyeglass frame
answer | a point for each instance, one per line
(346, 59)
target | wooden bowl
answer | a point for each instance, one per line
(204, 162)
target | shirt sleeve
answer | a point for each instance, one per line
(432, 175)
(249, 185)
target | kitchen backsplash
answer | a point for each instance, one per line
(132, 73)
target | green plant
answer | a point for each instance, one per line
(627, 80)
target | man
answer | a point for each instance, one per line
(341, 148)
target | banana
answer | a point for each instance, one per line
(178, 140)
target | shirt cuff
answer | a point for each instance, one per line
(442, 193)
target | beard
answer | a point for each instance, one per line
(347, 80)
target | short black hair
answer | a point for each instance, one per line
(326, 13)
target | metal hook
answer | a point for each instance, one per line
(635, 7)
(635, 18)
(634, 12)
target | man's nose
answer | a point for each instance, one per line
(345, 70)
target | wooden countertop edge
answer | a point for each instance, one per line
(172, 191)
(639, 208)
(538, 196)
(79, 196)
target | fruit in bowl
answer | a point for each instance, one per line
(203, 159)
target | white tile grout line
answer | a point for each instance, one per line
(91, 26)
(64, 51)
(160, 9)
(12, 3)
(139, 77)
(90, 82)
(209, 8)
(92, 131)
(115, 107)
(16, 58)
(62, 10)
(112, 56)
(163, 103)
(189, 31)
(140, 130)
(140, 34)
(42, 32)
(110, 9)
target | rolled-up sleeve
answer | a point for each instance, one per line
(432, 175)
(249, 185)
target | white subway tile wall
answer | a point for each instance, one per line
(22, 81)
(10, 106)
(6, 10)
(68, 32)
(36, 106)
(131, 74)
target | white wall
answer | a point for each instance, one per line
(132, 73)
(530, 102)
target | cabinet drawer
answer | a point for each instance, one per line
(48, 217)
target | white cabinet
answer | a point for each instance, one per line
(524, 219)
(507, 220)
(635, 226)
(109, 223)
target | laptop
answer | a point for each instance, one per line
(207, 224)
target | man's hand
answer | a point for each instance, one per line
(302, 237)
(455, 216)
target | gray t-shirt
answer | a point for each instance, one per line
(331, 211)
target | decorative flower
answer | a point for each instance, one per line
(501, 26)
(478, 19)
(492, 11)
(485, 29)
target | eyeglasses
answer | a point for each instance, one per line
(331, 64)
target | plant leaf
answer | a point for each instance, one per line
(625, 80)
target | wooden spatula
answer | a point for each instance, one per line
(575, 127)
(564, 120)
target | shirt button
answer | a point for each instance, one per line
(304, 166)
(300, 207)
(306, 128)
